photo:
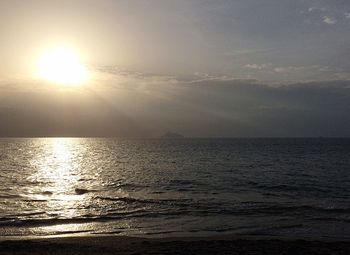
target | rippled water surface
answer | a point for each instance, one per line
(285, 187)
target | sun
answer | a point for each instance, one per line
(61, 65)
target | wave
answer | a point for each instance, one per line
(28, 214)
(124, 199)
(37, 222)
(280, 208)
(9, 196)
(272, 210)
(305, 187)
(46, 222)
(313, 212)
(127, 185)
(79, 191)
(129, 200)
(339, 219)
(47, 193)
(189, 206)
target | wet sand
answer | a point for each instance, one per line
(179, 246)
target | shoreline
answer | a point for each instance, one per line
(229, 236)
(224, 244)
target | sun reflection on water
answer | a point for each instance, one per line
(57, 165)
(68, 191)
(57, 173)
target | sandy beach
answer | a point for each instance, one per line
(133, 246)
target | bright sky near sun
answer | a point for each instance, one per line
(61, 65)
(265, 40)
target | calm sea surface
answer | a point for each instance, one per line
(284, 187)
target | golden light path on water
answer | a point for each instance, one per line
(75, 188)
(58, 166)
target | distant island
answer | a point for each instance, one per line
(172, 135)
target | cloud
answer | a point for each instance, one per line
(347, 15)
(281, 69)
(206, 107)
(289, 69)
(257, 66)
(278, 69)
(313, 9)
(329, 20)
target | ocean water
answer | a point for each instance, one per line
(185, 187)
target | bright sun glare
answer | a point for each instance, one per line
(62, 65)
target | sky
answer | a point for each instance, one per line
(201, 68)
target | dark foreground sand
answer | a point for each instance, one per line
(179, 246)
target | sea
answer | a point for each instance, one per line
(285, 187)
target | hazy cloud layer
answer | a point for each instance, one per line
(200, 108)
